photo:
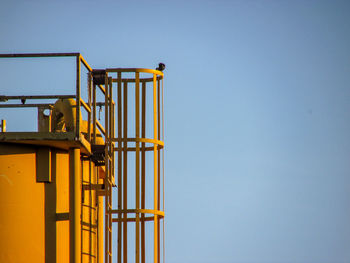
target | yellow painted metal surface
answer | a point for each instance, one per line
(34, 215)
(137, 147)
(22, 213)
(75, 191)
(61, 162)
(56, 205)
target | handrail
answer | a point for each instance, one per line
(87, 66)
(35, 97)
(85, 106)
(32, 55)
(134, 80)
(40, 105)
(140, 70)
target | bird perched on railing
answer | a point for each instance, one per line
(161, 67)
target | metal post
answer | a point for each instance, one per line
(137, 164)
(107, 167)
(94, 114)
(110, 166)
(163, 176)
(77, 125)
(120, 190)
(3, 125)
(74, 205)
(155, 150)
(125, 174)
(158, 167)
(143, 172)
(90, 106)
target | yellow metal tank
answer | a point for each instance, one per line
(34, 207)
(57, 184)
(51, 207)
(22, 206)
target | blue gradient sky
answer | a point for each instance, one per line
(257, 114)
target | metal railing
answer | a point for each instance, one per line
(141, 146)
(113, 79)
(89, 106)
(107, 130)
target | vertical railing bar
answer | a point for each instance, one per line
(164, 142)
(155, 129)
(110, 131)
(77, 124)
(94, 114)
(89, 103)
(111, 154)
(112, 149)
(143, 172)
(120, 187)
(106, 174)
(113, 136)
(137, 160)
(158, 155)
(125, 171)
(77, 132)
(112, 142)
(163, 169)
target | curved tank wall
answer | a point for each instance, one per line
(34, 207)
(22, 213)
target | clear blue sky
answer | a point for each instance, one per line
(257, 114)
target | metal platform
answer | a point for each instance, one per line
(60, 140)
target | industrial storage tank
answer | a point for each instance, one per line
(34, 205)
(56, 183)
(34, 192)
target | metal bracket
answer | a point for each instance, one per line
(98, 76)
(98, 154)
(62, 216)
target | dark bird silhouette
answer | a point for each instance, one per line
(161, 67)
(23, 101)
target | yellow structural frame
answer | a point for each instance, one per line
(140, 149)
(155, 144)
